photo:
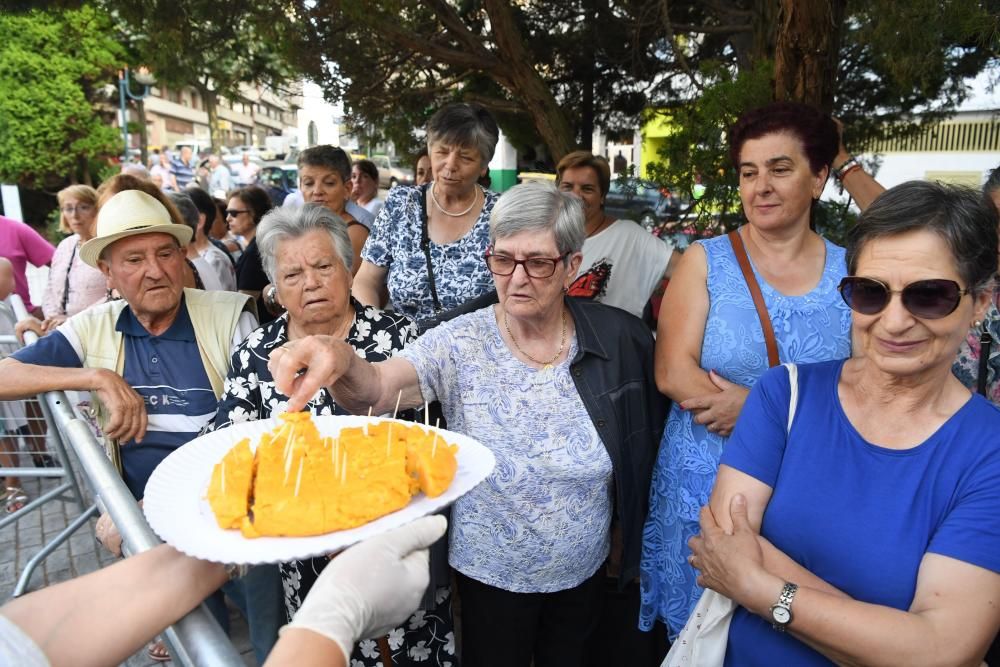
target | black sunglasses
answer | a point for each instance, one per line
(926, 299)
(233, 212)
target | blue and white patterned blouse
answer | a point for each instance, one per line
(809, 328)
(460, 272)
(540, 522)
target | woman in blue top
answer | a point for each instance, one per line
(881, 535)
(710, 345)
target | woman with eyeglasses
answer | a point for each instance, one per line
(711, 343)
(73, 286)
(562, 391)
(244, 212)
(865, 525)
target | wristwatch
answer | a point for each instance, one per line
(781, 611)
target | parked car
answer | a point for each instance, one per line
(643, 201)
(391, 172)
(279, 181)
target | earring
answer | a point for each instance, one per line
(978, 324)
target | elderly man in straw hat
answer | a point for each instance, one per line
(138, 356)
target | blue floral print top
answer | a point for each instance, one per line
(460, 272)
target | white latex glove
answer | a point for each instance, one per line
(372, 587)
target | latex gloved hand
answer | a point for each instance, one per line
(371, 587)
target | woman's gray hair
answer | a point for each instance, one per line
(538, 206)
(464, 125)
(187, 209)
(282, 224)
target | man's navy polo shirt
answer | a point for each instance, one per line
(166, 370)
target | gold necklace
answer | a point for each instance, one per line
(546, 365)
(475, 200)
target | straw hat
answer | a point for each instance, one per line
(130, 213)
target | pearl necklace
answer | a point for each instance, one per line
(546, 365)
(475, 200)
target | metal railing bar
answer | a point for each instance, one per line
(195, 640)
(65, 534)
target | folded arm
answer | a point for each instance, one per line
(953, 618)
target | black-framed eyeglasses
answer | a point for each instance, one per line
(926, 299)
(233, 212)
(79, 208)
(535, 267)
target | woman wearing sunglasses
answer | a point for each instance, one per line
(711, 345)
(562, 391)
(880, 543)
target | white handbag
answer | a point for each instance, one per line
(702, 642)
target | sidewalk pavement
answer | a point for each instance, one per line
(75, 557)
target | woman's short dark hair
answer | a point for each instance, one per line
(815, 129)
(329, 157)
(367, 167)
(468, 125)
(256, 199)
(205, 205)
(955, 213)
(992, 182)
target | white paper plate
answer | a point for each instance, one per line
(178, 512)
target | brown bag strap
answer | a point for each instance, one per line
(758, 299)
(383, 649)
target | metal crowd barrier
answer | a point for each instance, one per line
(195, 640)
(31, 436)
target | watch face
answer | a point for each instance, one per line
(781, 615)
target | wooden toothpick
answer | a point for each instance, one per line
(369, 417)
(427, 414)
(298, 480)
(434, 445)
(399, 397)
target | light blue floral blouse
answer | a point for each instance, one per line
(809, 328)
(460, 272)
(541, 520)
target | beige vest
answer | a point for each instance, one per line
(214, 316)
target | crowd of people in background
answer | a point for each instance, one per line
(808, 432)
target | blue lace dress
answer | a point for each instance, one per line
(812, 327)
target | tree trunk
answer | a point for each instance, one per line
(756, 44)
(805, 59)
(589, 65)
(516, 73)
(208, 96)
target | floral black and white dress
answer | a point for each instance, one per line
(427, 637)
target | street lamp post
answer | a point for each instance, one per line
(146, 79)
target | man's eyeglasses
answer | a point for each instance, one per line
(926, 299)
(233, 212)
(536, 267)
(79, 208)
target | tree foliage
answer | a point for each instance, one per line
(899, 64)
(213, 45)
(54, 107)
(548, 70)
